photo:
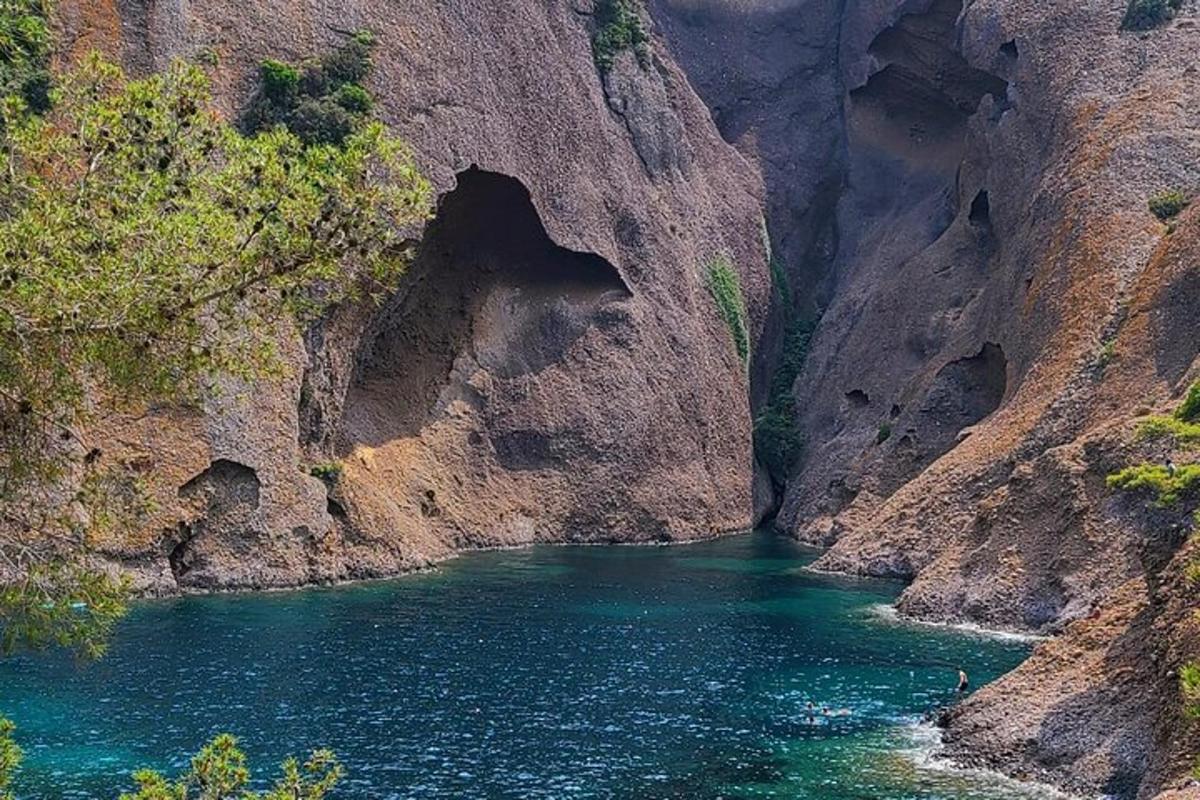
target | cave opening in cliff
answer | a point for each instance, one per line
(487, 284)
(908, 121)
(980, 213)
(225, 496)
(967, 390)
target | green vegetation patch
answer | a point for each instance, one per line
(1189, 687)
(1168, 205)
(220, 771)
(1183, 425)
(1169, 427)
(25, 53)
(1167, 486)
(1189, 409)
(780, 282)
(884, 433)
(778, 441)
(1142, 15)
(619, 27)
(322, 101)
(329, 471)
(726, 290)
(1107, 352)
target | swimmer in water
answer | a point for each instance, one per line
(963, 682)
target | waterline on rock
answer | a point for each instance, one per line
(925, 753)
(889, 614)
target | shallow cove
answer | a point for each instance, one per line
(583, 672)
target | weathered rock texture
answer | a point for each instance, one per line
(552, 368)
(962, 192)
(959, 194)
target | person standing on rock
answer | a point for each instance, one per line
(963, 682)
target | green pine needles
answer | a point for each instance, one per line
(726, 290)
(25, 53)
(147, 247)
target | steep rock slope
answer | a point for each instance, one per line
(997, 304)
(552, 368)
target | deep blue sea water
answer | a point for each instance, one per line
(553, 672)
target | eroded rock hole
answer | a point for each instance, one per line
(969, 389)
(1009, 49)
(857, 398)
(224, 484)
(980, 214)
(487, 282)
(178, 558)
(224, 498)
(924, 75)
(910, 117)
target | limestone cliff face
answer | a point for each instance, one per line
(961, 194)
(552, 368)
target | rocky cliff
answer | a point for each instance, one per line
(962, 194)
(553, 366)
(955, 197)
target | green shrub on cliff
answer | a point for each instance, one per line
(1167, 486)
(619, 27)
(1189, 409)
(726, 290)
(145, 247)
(778, 440)
(1142, 15)
(883, 433)
(1189, 687)
(1183, 425)
(1169, 427)
(219, 772)
(329, 471)
(1168, 205)
(322, 101)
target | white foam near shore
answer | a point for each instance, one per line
(926, 739)
(886, 612)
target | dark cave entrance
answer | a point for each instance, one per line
(967, 390)
(981, 213)
(487, 281)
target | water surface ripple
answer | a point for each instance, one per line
(554, 672)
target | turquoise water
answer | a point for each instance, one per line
(554, 672)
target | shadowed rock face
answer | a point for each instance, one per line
(487, 283)
(983, 177)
